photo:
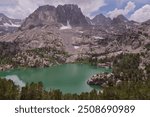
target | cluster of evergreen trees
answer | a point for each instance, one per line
(35, 91)
(126, 68)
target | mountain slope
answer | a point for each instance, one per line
(43, 29)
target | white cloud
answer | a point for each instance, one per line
(18, 8)
(142, 14)
(129, 7)
(22, 8)
(136, 1)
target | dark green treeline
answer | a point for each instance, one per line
(35, 91)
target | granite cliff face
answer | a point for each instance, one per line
(60, 15)
(44, 15)
(72, 14)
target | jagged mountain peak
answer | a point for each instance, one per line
(71, 13)
(47, 15)
(72, 6)
(43, 15)
(46, 7)
(120, 18)
(99, 16)
(101, 20)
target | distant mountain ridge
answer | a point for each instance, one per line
(60, 15)
(8, 25)
(101, 20)
(6, 21)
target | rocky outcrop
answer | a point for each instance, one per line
(146, 22)
(145, 28)
(8, 48)
(5, 67)
(104, 80)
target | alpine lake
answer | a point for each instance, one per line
(69, 78)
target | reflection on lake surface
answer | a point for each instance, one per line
(69, 78)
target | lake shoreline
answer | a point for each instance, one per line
(69, 76)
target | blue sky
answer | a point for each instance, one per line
(112, 4)
(138, 10)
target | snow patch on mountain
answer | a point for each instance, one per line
(11, 25)
(76, 47)
(66, 27)
(97, 37)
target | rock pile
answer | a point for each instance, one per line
(103, 80)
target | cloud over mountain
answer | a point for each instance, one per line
(129, 7)
(142, 14)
